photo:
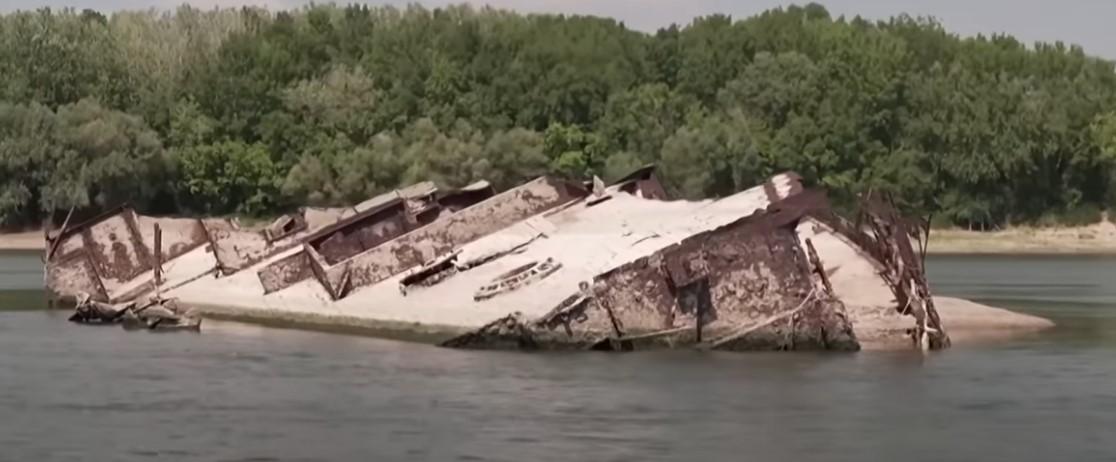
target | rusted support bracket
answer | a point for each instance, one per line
(924, 239)
(903, 270)
(157, 267)
(817, 266)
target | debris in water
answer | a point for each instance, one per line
(156, 314)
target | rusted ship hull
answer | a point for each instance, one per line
(546, 265)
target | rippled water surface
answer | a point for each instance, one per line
(239, 392)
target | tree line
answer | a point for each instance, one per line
(247, 111)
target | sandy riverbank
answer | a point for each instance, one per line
(30, 240)
(1094, 239)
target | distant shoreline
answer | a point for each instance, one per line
(1099, 239)
(28, 240)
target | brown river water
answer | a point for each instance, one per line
(244, 393)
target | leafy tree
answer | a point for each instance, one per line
(229, 176)
(510, 157)
(252, 111)
(82, 155)
(573, 151)
(639, 120)
(715, 156)
(1103, 131)
(25, 151)
(343, 100)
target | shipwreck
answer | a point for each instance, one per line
(549, 264)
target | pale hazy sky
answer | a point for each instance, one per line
(1090, 23)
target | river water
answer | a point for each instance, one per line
(245, 393)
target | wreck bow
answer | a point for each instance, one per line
(547, 264)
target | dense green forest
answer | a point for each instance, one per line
(251, 112)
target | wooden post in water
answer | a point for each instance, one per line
(50, 245)
(158, 266)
